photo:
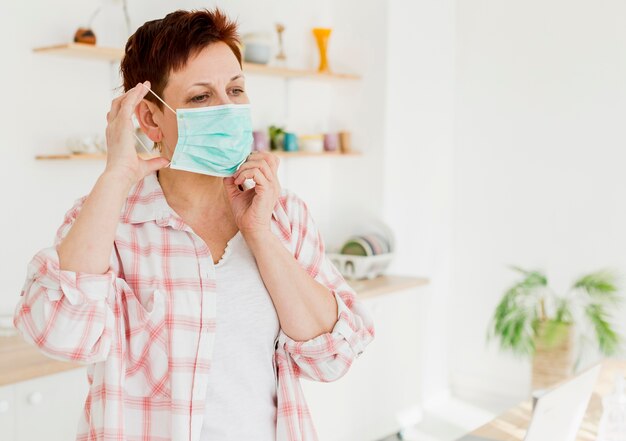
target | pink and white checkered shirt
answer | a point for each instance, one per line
(146, 327)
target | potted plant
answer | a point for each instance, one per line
(533, 320)
(276, 137)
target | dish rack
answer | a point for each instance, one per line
(361, 267)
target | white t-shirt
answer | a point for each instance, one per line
(241, 396)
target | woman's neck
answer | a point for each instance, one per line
(193, 194)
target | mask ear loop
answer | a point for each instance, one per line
(166, 105)
(142, 144)
(159, 98)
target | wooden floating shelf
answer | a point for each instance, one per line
(385, 284)
(285, 72)
(82, 50)
(88, 51)
(302, 154)
(102, 156)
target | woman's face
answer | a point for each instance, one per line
(211, 78)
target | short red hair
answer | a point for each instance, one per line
(162, 46)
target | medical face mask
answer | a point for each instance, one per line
(212, 140)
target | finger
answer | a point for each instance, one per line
(254, 174)
(154, 164)
(132, 99)
(115, 106)
(272, 159)
(260, 163)
(250, 165)
(232, 190)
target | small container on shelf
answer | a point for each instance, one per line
(276, 135)
(257, 47)
(261, 141)
(311, 143)
(290, 142)
(331, 142)
(88, 144)
(85, 36)
(345, 142)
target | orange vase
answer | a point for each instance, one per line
(321, 37)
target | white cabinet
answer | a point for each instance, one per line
(7, 412)
(380, 394)
(44, 408)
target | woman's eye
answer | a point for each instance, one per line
(237, 91)
(199, 98)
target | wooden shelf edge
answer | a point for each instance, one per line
(385, 284)
(22, 361)
(300, 154)
(82, 50)
(102, 156)
(81, 156)
(296, 73)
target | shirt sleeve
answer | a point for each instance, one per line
(326, 357)
(68, 315)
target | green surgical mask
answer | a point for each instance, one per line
(212, 140)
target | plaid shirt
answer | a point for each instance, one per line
(146, 327)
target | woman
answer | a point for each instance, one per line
(197, 303)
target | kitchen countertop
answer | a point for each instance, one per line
(21, 361)
(385, 285)
(512, 425)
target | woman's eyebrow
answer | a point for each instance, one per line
(209, 84)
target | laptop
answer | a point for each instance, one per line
(559, 412)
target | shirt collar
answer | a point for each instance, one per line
(146, 202)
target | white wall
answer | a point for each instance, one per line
(47, 99)
(418, 164)
(539, 160)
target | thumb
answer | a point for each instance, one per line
(231, 188)
(155, 164)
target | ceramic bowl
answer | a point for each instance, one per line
(257, 53)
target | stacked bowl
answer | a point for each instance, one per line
(363, 256)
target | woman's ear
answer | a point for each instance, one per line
(145, 115)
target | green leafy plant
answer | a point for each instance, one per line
(530, 309)
(276, 134)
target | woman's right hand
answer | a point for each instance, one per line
(122, 158)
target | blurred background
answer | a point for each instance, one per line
(470, 135)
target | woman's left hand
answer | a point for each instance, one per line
(253, 208)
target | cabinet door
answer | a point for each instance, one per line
(380, 394)
(7, 413)
(49, 407)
